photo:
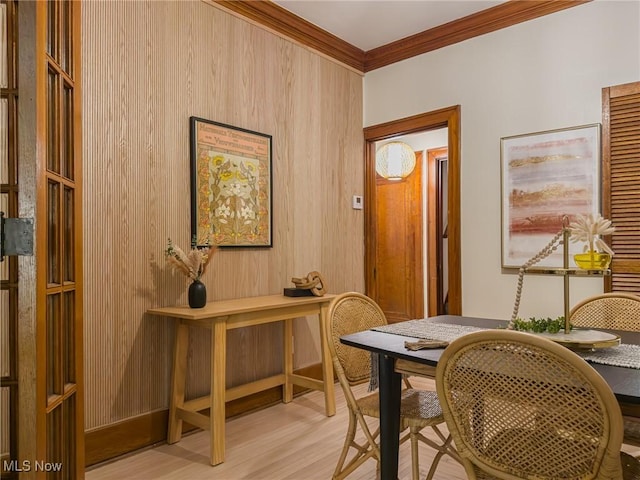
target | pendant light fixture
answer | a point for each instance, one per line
(395, 160)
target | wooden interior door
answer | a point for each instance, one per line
(51, 416)
(398, 268)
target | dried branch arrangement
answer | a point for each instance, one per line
(192, 264)
(589, 229)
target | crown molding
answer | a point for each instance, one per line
(281, 21)
(285, 23)
(495, 18)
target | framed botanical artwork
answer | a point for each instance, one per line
(545, 177)
(231, 198)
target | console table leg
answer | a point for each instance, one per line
(287, 388)
(218, 390)
(178, 373)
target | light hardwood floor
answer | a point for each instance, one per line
(294, 441)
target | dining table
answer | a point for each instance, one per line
(395, 359)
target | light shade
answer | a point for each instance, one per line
(395, 160)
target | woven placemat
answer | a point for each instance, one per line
(624, 355)
(427, 329)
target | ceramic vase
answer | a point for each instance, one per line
(197, 294)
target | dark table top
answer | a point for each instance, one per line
(625, 382)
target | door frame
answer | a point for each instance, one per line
(448, 118)
(434, 231)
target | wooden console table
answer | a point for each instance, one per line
(226, 315)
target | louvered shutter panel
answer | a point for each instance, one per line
(621, 183)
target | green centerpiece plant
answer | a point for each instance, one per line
(540, 325)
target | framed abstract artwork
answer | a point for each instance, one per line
(545, 177)
(231, 177)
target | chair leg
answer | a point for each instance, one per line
(446, 446)
(351, 433)
(434, 464)
(415, 462)
(369, 449)
(442, 449)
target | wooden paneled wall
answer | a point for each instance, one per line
(149, 66)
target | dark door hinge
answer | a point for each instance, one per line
(16, 236)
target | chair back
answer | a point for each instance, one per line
(350, 313)
(614, 311)
(521, 406)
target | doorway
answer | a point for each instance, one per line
(400, 242)
(448, 118)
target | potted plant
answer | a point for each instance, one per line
(589, 229)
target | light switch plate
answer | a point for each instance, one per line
(357, 202)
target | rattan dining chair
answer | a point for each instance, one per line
(613, 310)
(521, 406)
(353, 312)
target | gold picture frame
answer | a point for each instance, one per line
(231, 182)
(545, 177)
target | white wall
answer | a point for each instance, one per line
(541, 75)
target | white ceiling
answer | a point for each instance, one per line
(368, 24)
